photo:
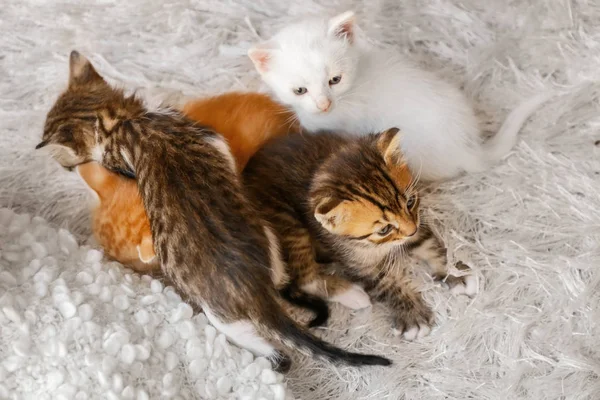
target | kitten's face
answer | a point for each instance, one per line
(365, 194)
(78, 127)
(310, 66)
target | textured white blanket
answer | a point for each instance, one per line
(530, 227)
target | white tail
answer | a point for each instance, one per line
(497, 147)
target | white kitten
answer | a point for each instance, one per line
(335, 81)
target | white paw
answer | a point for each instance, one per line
(355, 298)
(142, 259)
(469, 288)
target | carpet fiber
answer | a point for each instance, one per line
(530, 227)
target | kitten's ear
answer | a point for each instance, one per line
(343, 26)
(388, 144)
(330, 212)
(261, 56)
(81, 71)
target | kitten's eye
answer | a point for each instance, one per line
(411, 202)
(385, 230)
(335, 80)
(300, 91)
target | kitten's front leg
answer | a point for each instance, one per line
(429, 248)
(412, 318)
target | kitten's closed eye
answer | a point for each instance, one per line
(300, 91)
(335, 80)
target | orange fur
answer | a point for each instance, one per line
(120, 224)
(246, 120)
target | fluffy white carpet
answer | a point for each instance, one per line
(74, 327)
(530, 227)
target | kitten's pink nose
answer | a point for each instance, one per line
(323, 104)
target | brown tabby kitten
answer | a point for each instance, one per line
(208, 238)
(355, 200)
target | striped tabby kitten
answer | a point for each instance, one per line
(354, 200)
(208, 238)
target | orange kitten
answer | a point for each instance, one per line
(246, 120)
(120, 224)
(119, 220)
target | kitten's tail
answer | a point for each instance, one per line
(497, 147)
(281, 327)
(317, 305)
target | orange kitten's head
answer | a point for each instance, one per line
(365, 193)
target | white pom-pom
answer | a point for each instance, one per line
(142, 317)
(198, 367)
(165, 339)
(39, 250)
(12, 363)
(186, 329)
(171, 360)
(156, 286)
(105, 294)
(11, 314)
(27, 239)
(121, 302)
(113, 343)
(85, 278)
(55, 379)
(128, 393)
(142, 395)
(93, 256)
(252, 371)
(268, 377)
(278, 392)
(117, 383)
(128, 354)
(141, 352)
(22, 346)
(149, 299)
(86, 312)
(67, 309)
(224, 385)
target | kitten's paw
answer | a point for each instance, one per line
(414, 323)
(466, 284)
(354, 298)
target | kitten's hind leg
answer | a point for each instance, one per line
(433, 252)
(338, 290)
(244, 334)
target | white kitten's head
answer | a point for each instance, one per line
(311, 64)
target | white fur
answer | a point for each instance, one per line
(242, 333)
(381, 89)
(127, 159)
(355, 298)
(221, 145)
(144, 260)
(278, 272)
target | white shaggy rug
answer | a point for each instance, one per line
(530, 227)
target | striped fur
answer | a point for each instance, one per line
(353, 201)
(208, 237)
